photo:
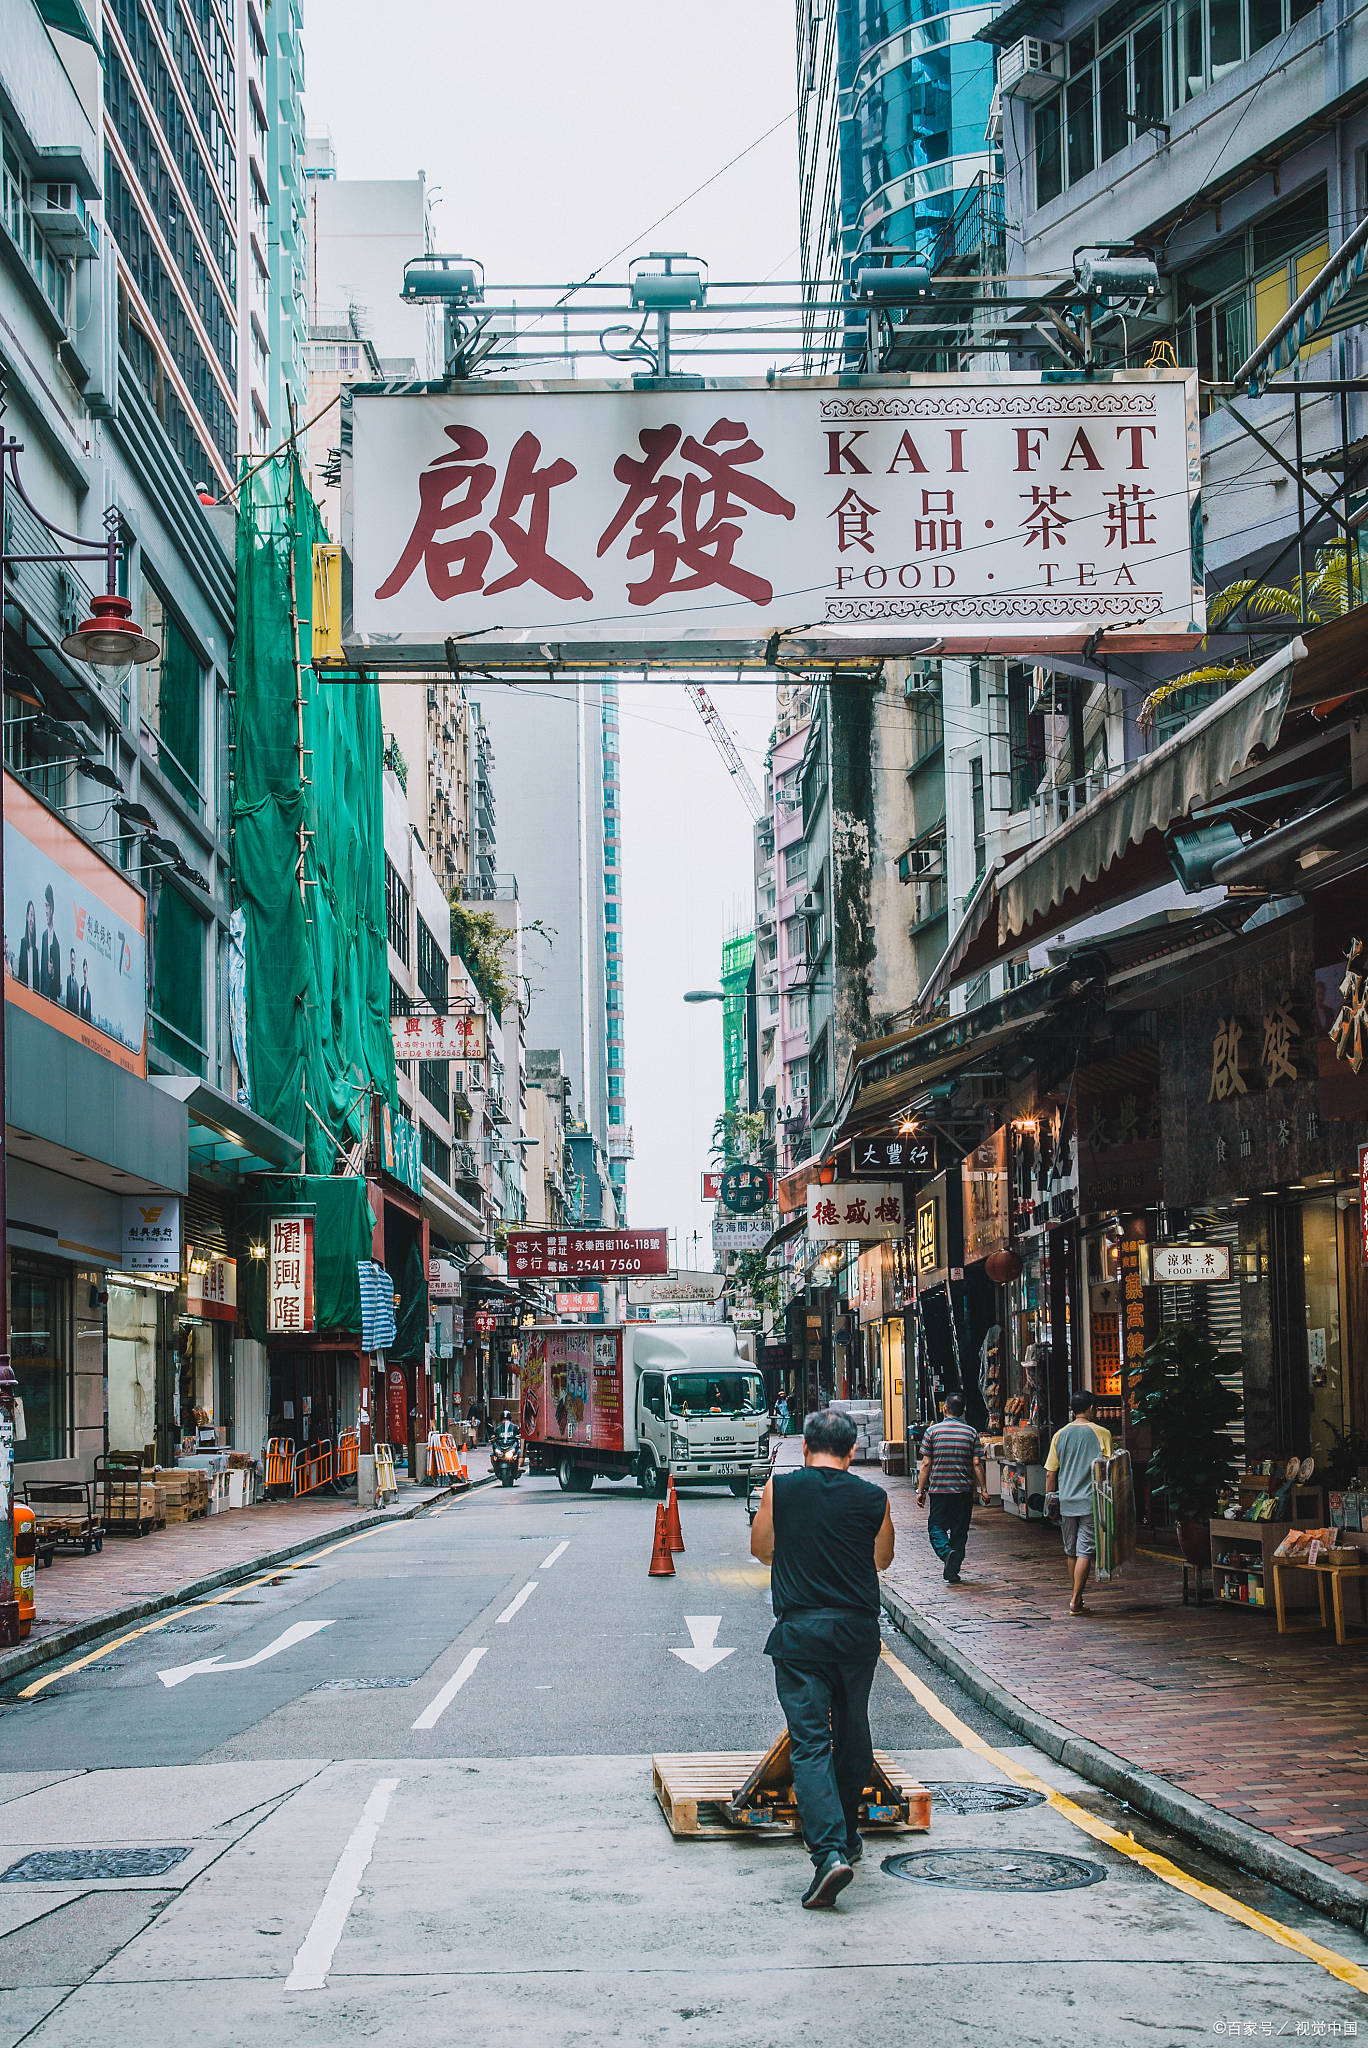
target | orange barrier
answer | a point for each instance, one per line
(445, 1461)
(346, 1454)
(313, 1468)
(280, 1463)
(662, 1564)
(672, 1528)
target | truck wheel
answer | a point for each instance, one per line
(649, 1477)
(565, 1472)
(583, 1479)
(740, 1487)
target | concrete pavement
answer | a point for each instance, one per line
(504, 1872)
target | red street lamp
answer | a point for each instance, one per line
(108, 639)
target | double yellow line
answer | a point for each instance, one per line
(1159, 1866)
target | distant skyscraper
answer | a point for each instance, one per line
(555, 755)
(361, 233)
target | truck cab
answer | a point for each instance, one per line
(701, 1414)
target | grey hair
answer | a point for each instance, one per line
(828, 1430)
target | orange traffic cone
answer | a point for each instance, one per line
(673, 1530)
(662, 1564)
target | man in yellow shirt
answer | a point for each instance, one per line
(1068, 1476)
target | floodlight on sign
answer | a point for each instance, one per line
(682, 283)
(443, 280)
(897, 284)
(1132, 277)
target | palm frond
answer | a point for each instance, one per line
(1215, 673)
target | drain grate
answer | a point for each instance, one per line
(989, 1870)
(91, 1866)
(972, 1798)
(189, 1628)
(362, 1685)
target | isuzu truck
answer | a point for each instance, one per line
(643, 1401)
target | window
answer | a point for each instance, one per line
(435, 1154)
(928, 725)
(795, 863)
(610, 912)
(434, 1078)
(797, 1075)
(818, 1066)
(172, 701)
(40, 1355)
(615, 1114)
(1233, 298)
(177, 978)
(795, 938)
(397, 910)
(615, 1086)
(975, 684)
(798, 1010)
(976, 812)
(432, 969)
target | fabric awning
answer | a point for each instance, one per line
(1116, 843)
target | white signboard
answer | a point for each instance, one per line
(679, 1286)
(741, 1233)
(990, 513)
(854, 1212)
(151, 1234)
(1173, 1264)
(439, 1038)
(444, 1280)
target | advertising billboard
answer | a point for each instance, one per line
(983, 513)
(75, 953)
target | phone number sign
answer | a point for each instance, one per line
(547, 1255)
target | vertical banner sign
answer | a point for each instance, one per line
(998, 513)
(290, 1276)
(1130, 1259)
(1363, 1201)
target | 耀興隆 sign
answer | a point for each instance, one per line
(992, 511)
(290, 1276)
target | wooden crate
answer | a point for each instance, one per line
(695, 1791)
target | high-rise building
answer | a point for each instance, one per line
(894, 107)
(556, 750)
(272, 269)
(361, 232)
(738, 1020)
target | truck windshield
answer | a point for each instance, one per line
(716, 1393)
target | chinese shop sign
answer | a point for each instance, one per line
(151, 1234)
(745, 1189)
(854, 1212)
(1130, 1255)
(893, 1152)
(439, 1038)
(993, 512)
(549, 1255)
(290, 1276)
(1176, 1265)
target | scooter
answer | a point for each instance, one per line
(505, 1458)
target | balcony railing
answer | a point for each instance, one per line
(1051, 808)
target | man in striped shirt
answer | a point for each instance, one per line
(952, 1472)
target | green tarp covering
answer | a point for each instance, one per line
(317, 969)
(344, 1230)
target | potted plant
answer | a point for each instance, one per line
(1178, 1392)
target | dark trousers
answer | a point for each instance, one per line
(827, 1710)
(948, 1526)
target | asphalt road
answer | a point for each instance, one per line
(403, 1789)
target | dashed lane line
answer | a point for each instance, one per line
(437, 1706)
(313, 1958)
(518, 1600)
(1159, 1866)
(547, 1562)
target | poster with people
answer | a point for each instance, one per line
(75, 951)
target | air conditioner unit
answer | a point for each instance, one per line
(923, 679)
(1030, 70)
(60, 212)
(809, 905)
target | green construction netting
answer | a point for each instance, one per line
(318, 1031)
(411, 1283)
(344, 1231)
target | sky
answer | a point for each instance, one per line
(557, 135)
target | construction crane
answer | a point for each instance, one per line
(726, 747)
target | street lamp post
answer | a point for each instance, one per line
(109, 638)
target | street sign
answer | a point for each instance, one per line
(711, 1185)
(439, 1038)
(1175, 1264)
(892, 1152)
(854, 1212)
(745, 1189)
(999, 512)
(741, 1233)
(549, 1255)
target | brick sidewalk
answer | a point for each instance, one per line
(1269, 1728)
(75, 1591)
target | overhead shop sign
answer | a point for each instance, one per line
(290, 1276)
(741, 1233)
(854, 1212)
(1174, 1264)
(998, 512)
(679, 1286)
(439, 1038)
(546, 1255)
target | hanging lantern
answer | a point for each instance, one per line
(1002, 1267)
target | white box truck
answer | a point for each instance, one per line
(641, 1401)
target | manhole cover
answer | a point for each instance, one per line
(988, 1870)
(362, 1684)
(189, 1628)
(970, 1798)
(91, 1866)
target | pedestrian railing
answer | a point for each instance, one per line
(346, 1454)
(313, 1468)
(280, 1463)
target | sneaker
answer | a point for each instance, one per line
(831, 1877)
(951, 1575)
(855, 1853)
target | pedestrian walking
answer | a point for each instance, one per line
(952, 1473)
(781, 1416)
(1069, 1481)
(827, 1535)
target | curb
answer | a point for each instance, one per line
(31, 1656)
(1330, 1891)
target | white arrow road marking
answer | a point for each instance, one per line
(518, 1600)
(547, 1562)
(297, 1632)
(313, 1958)
(437, 1706)
(703, 1636)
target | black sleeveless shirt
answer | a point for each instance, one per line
(823, 1581)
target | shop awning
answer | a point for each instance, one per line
(1116, 845)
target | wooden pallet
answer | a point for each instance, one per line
(696, 1791)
